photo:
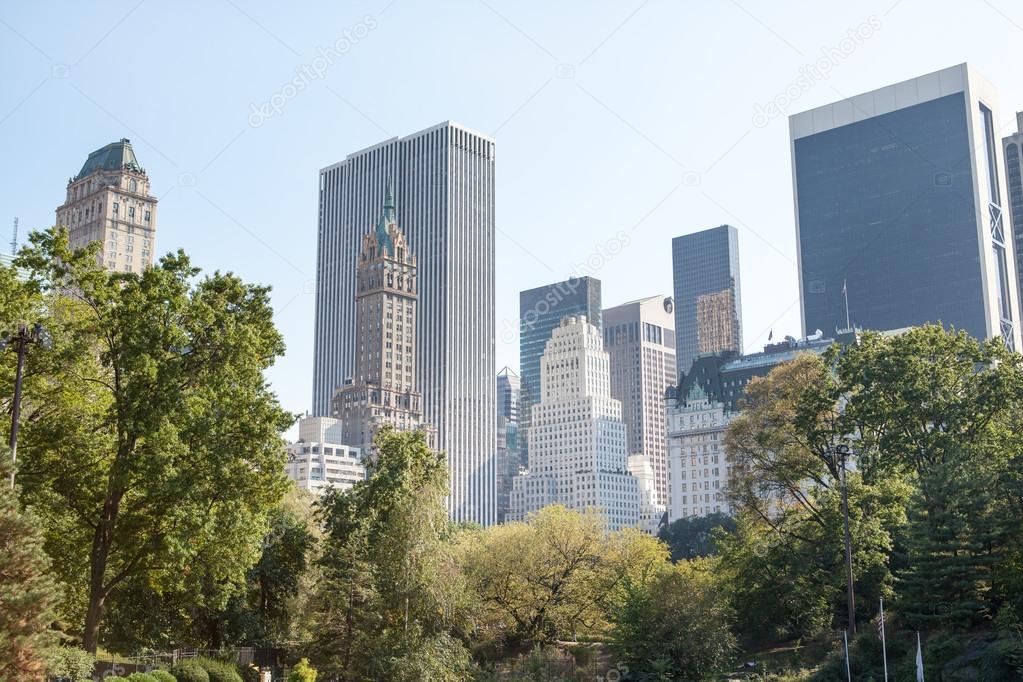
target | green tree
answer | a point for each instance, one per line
(27, 594)
(555, 575)
(151, 441)
(676, 626)
(943, 409)
(390, 601)
(693, 537)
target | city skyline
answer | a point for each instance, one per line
(222, 180)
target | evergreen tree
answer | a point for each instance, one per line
(27, 593)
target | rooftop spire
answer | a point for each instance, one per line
(386, 218)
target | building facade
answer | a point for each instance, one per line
(319, 459)
(639, 338)
(708, 309)
(444, 182)
(1012, 147)
(577, 443)
(722, 377)
(900, 209)
(699, 467)
(383, 390)
(109, 201)
(509, 455)
(540, 313)
(651, 511)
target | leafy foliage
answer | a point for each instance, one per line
(190, 671)
(693, 537)
(151, 440)
(302, 672)
(70, 664)
(390, 597)
(677, 626)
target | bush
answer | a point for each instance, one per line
(71, 664)
(163, 676)
(141, 677)
(302, 672)
(115, 678)
(189, 671)
(219, 671)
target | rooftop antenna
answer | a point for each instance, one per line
(14, 237)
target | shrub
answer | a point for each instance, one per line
(302, 672)
(190, 671)
(72, 664)
(141, 677)
(115, 678)
(219, 671)
(163, 676)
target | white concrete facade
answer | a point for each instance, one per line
(577, 443)
(319, 460)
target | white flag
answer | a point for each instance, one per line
(919, 660)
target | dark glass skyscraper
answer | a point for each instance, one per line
(1013, 148)
(899, 205)
(540, 313)
(509, 457)
(708, 310)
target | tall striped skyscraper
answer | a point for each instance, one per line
(443, 180)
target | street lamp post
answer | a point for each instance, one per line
(20, 340)
(843, 451)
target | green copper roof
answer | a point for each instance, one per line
(114, 156)
(384, 241)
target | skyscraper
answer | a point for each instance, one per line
(540, 313)
(444, 182)
(899, 204)
(509, 457)
(699, 465)
(640, 340)
(708, 309)
(109, 202)
(1013, 149)
(577, 449)
(383, 390)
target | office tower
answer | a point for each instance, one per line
(899, 205)
(540, 313)
(319, 459)
(109, 202)
(708, 310)
(699, 466)
(1013, 150)
(383, 390)
(640, 340)
(444, 182)
(577, 447)
(509, 459)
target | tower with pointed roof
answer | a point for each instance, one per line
(383, 388)
(109, 201)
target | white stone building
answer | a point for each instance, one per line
(650, 510)
(698, 469)
(577, 444)
(318, 459)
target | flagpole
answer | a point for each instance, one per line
(845, 293)
(884, 648)
(848, 672)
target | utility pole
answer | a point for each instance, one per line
(20, 340)
(843, 452)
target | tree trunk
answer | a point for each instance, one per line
(101, 540)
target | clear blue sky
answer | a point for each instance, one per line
(610, 117)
